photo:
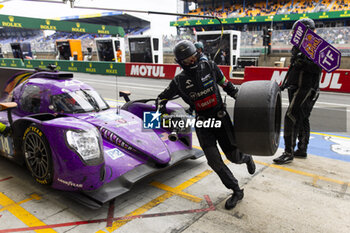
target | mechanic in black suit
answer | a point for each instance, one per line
(197, 85)
(302, 82)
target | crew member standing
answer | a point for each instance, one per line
(303, 89)
(197, 85)
(119, 54)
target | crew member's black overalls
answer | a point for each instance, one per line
(303, 86)
(199, 89)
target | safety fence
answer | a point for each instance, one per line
(337, 81)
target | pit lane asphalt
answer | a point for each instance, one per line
(309, 195)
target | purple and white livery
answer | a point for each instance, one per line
(72, 140)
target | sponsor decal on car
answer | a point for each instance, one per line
(34, 129)
(70, 183)
(112, 137)
(164, 136)
(115, 153)
(6, 146)
(41, 181)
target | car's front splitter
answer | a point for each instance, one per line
(95, 199)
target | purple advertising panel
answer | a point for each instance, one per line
(316, 48)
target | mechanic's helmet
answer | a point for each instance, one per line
(186, 55)
(307, 22)
(199, 45)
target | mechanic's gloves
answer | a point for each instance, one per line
(162, 108)
(230, 89)
(161, 105)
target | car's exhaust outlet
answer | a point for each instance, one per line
(173, 137)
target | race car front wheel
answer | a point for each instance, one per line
(38, 155)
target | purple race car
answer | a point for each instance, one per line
(72, 140)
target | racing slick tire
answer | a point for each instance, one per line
(257, 118)
(37, 155)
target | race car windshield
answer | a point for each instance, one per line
(78, 102)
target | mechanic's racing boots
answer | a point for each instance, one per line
(250, 165)
(300, 154)
(234, 199)
(286, 157)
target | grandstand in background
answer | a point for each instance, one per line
(335, 31)
(245, 8)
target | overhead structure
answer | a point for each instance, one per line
(56, 25)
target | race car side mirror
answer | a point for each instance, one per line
(7, 105)
(125, 95)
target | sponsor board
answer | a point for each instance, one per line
(316, 48)
(164, 71)
(337, 81)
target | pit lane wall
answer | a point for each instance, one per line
(337, 81)
(145, 70)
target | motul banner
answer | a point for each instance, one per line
(148, 70)
(164, 71)
(337, 81)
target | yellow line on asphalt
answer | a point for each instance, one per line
(176, 191)
(314, 176)
(156, 201)
(33, 196)
(168, 194)
(330, 135)
(22, 214)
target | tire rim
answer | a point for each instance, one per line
(36, 155)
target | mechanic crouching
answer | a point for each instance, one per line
(302, 81)
(197, 85)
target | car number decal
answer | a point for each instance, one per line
(6, 145)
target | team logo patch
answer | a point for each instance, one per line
(206, 103)
(189, 84)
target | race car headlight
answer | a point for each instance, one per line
(85, 143)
